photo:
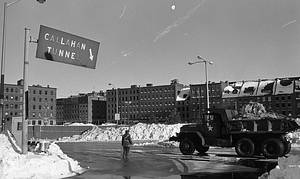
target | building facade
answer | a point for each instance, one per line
(82, 108)
(140, 103)
(41, 100)
(279, 95)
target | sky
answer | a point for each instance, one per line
(152, 41)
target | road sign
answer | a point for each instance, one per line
(59, 46)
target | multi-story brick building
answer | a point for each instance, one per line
(195, 104)
(42, 103)
(142, 102)
(280, 95)
(82, 108)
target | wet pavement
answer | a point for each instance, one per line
(103, 160)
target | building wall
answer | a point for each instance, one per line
(41, 106)
(82, 108)
(141, 103)
(282, 102)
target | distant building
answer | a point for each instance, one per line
(140, 103)
(280, 95)
(196, 103)
(82, 108)
(42, 103)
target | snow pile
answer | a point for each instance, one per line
(255, 110)
(52, 164)
(139, 131)
(286, 168)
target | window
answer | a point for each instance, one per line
(19, 126)
(34, 92)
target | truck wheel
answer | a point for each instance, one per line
(245, 147)
(187, 147)
(272, 148)
(287, 147)
(201, 149)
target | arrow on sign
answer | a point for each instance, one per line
(91, 55)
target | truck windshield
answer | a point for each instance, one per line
(208, 117)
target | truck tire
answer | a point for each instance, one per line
(287, 147)
(272, 148)
(245, 147)
(201, 149)
(187, 147)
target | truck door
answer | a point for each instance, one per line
(212, 124)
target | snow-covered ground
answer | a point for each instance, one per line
(54, 164)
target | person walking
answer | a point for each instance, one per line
(126, 142)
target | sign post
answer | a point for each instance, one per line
(59, 46)
(25, 94)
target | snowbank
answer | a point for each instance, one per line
(287, 168)
(140, 131)
(51, 165)
(54, 164)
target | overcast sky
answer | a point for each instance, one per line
(152, 41)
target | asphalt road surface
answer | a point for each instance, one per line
(104, 161)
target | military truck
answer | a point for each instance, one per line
(219, 127)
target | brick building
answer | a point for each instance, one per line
(142, 102)
(280, 95)
(42, 103)
(82, 108)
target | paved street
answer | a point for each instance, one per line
(104, 161)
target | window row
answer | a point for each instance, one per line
(14, 98)
(39, 122)
(40, 114)
(14, 90)
(42, 107)
(13, 106)
(46, 92)
(34, 99)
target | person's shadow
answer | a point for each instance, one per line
(127, 177)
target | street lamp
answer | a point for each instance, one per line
(205, 62)
(6, 5)
(117, 105)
